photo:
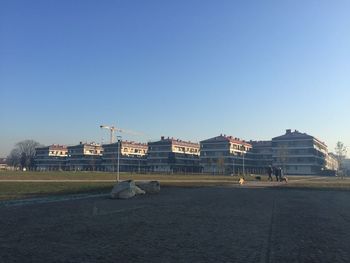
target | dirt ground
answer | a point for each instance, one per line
(208, 224)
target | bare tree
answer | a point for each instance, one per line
(341, 151)
(14, 158)
(23, 154)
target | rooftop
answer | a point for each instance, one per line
(296, 135)
(126, 142)
(85, 144)
(171, 140)
(231, 139)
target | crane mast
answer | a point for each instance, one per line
(112, 131)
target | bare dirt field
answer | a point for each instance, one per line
(207, 224)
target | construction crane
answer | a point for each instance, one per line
(113, 130)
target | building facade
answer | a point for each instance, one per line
(84, 157)
(299, 153)
(261, 153)
(346, 166)
(132, 157)
(173, 156)
(225, 155)
(295, 152)
(51, 158)
(332, 162)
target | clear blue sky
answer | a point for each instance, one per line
(187, 69)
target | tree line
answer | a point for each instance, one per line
(23, 154)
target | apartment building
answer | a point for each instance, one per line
(299, 153)
(84, 157)
(332, 162)
(132, 157)
(51, 158)
(226, 155)
(346, 166)
(173, 156)
(261, 153)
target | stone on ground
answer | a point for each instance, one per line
(150, 187)
(126, 190)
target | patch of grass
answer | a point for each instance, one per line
(18, 190)
(21, 189)
(18, 175)
(90, 182)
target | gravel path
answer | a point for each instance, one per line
(216, 224)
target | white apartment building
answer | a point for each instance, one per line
(84, 157)
(225, 155)
(132, 157)
(173, 156)
(51, 158)
(299, 153)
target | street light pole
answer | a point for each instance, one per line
(119, 150)
(233, 164)
(243, 165)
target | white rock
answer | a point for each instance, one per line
(126, 194)
(126, 190)
(151, 187)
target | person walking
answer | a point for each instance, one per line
(269, 173)
(275, 171)
(280, 173)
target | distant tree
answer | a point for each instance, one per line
(14, 158)
(340, 152)
(23, 154)
(24, 161)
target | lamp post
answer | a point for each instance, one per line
(233, 164)
(139, 165)
(243, 165)
(119, 150)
